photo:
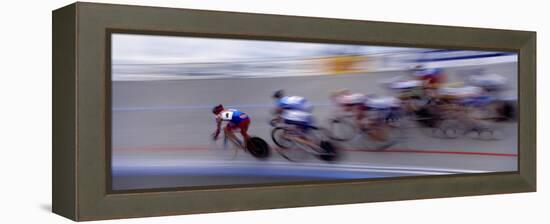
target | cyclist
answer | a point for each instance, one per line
(235, 120)
(494, 85)
(410, 93)
(472, 106)
(432, 77)
(463, 97)
(351, 102)
(295, 111)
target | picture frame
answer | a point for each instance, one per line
(81, 111)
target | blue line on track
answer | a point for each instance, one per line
(464, 57)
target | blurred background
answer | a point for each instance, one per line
(164, 88)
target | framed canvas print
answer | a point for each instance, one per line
(201, 111)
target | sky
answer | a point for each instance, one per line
(137, 48)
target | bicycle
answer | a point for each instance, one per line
(463, 120)
(381, 134)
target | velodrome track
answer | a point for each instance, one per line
(161, 135)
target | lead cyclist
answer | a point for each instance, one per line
(236, 120)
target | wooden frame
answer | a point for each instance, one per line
(81, 110)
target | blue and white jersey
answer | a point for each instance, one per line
(297, 117)
(233, 116)
(294, 103)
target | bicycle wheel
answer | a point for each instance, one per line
(274, 122)
(341, 129)
(487, 134)
(257, 147)
(277, 135)
(451, 128)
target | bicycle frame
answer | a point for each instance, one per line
(309, 147)
(233, 138)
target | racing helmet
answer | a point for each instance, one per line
(417, 68)
(217, 109)
(279, 94)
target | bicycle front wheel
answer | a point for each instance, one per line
(278, 136)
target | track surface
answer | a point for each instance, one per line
(161, 135)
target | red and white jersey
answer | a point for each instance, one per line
(232, 115)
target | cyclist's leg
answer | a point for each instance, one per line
(359, 110)
(301, 137)
(228, 131)
(302, 131)
(244, 129)
(377, 127)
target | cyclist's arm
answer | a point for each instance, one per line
(277, 111)
(218, 126)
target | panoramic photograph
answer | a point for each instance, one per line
(200, 112)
